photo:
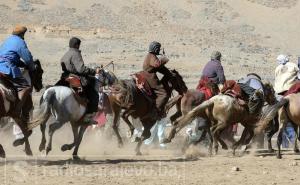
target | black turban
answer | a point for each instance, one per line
(74, 42)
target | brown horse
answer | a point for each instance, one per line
(187, 102)
(136, 104)
(7, 105)
(288, 109)
(223, 111)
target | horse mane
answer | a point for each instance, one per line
(127, 89)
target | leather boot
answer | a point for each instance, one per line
(22, 95)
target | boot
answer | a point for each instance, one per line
(22, 95)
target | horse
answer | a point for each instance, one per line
(8, 96)
(287, 109)
(63, 104)
(188, 101)
(223, 110)
(127, 96)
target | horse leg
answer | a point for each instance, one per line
(283, 119)
(52, 128)
(2, 152)
(296, 149)
(125, 116)
(145, 135)
(66, 147)
(241, 140)
(177, 114)
(279, 142)
(216, 135)
(43, 141)
(274, 128)
(116, 113)
(26, 134)
(78, 141)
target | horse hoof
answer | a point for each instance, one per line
(138, 153)
(2, 152)
(65, 148)
(42, 147)
(224, 147)
(76, 158)
(28, 152)
(271, 150)
(18, 142)
(48, 150)
(165, 141)
(279, 157)
(296, 151)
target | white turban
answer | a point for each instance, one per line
(282, 59)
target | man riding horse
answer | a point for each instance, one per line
(153, 63)
(213, 70)
(72, 64)
(13, 49)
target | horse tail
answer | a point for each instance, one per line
(172, 102)
(46, 103)
(269, 114)
(194, 113)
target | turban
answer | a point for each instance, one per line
(282, 59)
(18, 30)
(216, 55)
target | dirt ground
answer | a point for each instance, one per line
(152, 168)
(249, 33)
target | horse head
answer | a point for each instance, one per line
(177, 82)
(269, 91)
(109, 78)
(37, 76)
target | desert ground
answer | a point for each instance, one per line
(249, 33)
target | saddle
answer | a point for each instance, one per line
(75, 84)
(294, 89)
(142, 84)
(233, 89)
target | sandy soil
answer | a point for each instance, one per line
(249, 33)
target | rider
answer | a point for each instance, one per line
(154, 62)
(286, 74)
(12, 50)
(213, 70)
(253, 87)
(72, 63)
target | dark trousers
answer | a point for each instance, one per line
(93, 98)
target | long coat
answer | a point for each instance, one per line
(152, 65)
(285, 76)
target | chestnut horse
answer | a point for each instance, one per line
(223, 110)
(7, 105)
(136, 104)
(288, 109)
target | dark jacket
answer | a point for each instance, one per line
(73, 63)
(214, 71)
(152, 65)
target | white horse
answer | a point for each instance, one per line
(61, 102)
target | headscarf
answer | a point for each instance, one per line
(154, 47)
(216, 55)
(282, 59)
(74, 41)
